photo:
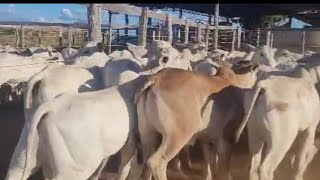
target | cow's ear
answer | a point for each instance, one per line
(101, 46)
(163, 60)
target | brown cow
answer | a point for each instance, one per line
(171, 104)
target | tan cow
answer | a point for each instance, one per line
(171, 105)
(275, 117)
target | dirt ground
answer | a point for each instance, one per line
(11, 123)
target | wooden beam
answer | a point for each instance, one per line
(153, 35)
(186, 32)
(216, 24)
(94, 22)
(142, 39)
(69, 37)
(169, 25)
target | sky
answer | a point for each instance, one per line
(67, 13)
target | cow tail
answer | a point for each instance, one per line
(247, 114)
(39, 115)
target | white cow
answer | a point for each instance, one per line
(277, 118)
(74, 134)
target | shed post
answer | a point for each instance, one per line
(142, 39)
(216, 24)
(109, 39)
(303, 39)
(186, 32)
(169, 25)
(126, 31)
(94, 22)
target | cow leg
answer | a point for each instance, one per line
(185, 158)
(148, 146)
(209, 156)
(305, 153)
(127, 154)
(170, 146)
(224, 153)
(255, 147)
(276, 146)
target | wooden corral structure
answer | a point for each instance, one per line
(169, 28)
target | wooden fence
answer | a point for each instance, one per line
(172, 29)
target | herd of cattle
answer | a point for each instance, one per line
(149, 104)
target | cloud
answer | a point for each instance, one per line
(41, 19)
(11, 8)
(66, 14)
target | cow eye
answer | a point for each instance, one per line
(261, 55)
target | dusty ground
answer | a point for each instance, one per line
(11, 123)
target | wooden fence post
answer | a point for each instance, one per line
(199, 32)
(271, 40)
(239, 37)
(207, 36)
(303, 41)
(186, 32)
(159, 31)
(169, 25)
(39, 36)
(153, 35)
(22, 36)
(60, 38)
(216, 24)
(268, 37)
(17, 37)
(69, 37)
(258, 37)
(110, 40)
(233, 39)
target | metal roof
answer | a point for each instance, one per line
(238, 10)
